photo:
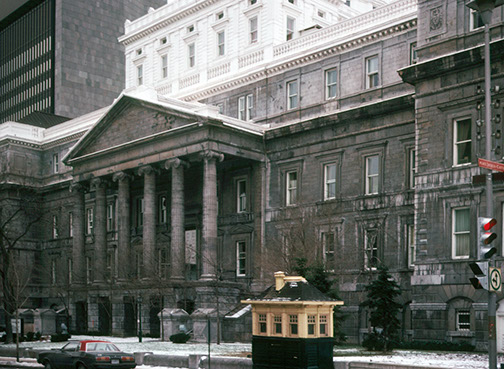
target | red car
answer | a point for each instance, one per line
(90, 354)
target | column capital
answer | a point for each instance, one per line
(146, 169)
(99, 182)
(211, 154)
(176, 163)
(77, 187)
(121, 176)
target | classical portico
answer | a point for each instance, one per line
(134, 164)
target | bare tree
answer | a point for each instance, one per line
(17, 217)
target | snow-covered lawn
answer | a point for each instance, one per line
(458, 360)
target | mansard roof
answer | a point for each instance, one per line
(293, 291)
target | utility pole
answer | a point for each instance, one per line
(485, 8)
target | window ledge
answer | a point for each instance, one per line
(460, 334)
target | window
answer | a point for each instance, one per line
(163, 210)
(55, 163)
(312, 320)
(245, 106)
(108, 265)
(253, 30)
(330, 181)
(70, 270)
(89, 270)
(241, 194)
(250, 106)
(371, 246)
(220, 108)
(140, 75)
(323, 325)
(372, 76)
(241, 258)
(412, 169)
(110, 217)
(219, 15)
(164, 66)
(328, 249)
(463, 320)
(138, 263)
(331, 78)
(461, 239)
(291, 187)
(53, 271)
(292, 1)
(70, 224)
(139, 211)
(292, 95)
(277, 324)
(372, 174)
(262, 323)
(55, 226)
(462, 141)
(410, 242)
(89, 221)
(321, 13)
(291, 23)
(139, 52)
(191, 55)
(220, 43)
(163, 41)
(190, 28)
(293, 325)
(163, 263)
(475, 20)
(413, 53)
(252, 2)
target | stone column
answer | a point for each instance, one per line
(149, 221)
(177, 217)
(124, 226)
(79, 237)
(100, 228)
(209, 234)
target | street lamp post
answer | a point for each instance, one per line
(139, 318)
(485, 8)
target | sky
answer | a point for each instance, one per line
(8, 6)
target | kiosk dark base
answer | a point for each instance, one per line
(292, 353)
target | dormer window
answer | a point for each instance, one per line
(190, 28)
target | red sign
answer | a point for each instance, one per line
(483, 163)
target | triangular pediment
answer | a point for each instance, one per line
(129, 120)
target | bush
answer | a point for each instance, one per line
(30, 336)
(376, 342)
(38, 336)
(58, 337)
(436, 346)
(180, 337)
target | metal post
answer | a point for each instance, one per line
(492, 298)
(140, 319)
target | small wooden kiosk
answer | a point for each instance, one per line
(292, 326)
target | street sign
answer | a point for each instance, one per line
(495, 279)
(483, 163)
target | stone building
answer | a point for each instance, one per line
(252, 133)
(62, 57)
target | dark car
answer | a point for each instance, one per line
(90, 354)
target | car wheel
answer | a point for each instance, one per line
(81, 366)
(47, 365)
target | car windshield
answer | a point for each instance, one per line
(100, 346)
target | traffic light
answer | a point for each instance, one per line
(480, 270)
(485, 237)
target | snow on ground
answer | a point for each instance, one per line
(458, 360)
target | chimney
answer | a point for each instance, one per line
(279, 280)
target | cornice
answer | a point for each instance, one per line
(128, 39)
(303, 60)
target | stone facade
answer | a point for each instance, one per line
(336, 146)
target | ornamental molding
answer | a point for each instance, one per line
(303, 60)
(137, 35)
